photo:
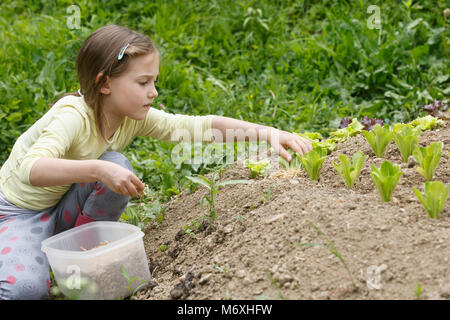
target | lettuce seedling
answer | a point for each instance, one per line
(257, 168)
(428, 159)
(293, 164)
(397, 127)
(427, 123)
(379, 138)
(349, 172)
(386, 178)
(406, 141)
(312, 162)
(434, 198)
(317, 141)
(342, 135)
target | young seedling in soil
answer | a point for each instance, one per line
(379, 138)
(406, 141)
(349, 172)
(295, 162)
(312, 162)
(143, 209)
(418, 291)
(428, 159)
(434, 198)
(213, 186)
(274, 283)
(257, 168)
(266, 198)
(386, 178)
(193, 227)
(334, 251)
(130, 281)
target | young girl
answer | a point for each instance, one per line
(66, 169)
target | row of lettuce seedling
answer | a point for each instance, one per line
(386, 177)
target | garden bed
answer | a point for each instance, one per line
(267, 247)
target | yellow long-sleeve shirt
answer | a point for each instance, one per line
(68, 131)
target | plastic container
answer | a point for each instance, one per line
(86, 268)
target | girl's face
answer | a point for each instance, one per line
(133, 92)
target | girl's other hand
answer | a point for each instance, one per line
(119, 179)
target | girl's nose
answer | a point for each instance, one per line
(153, 93)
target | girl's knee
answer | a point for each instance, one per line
(13, 288)
(117, 158)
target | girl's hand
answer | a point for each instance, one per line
(291, 140)
(119, 179)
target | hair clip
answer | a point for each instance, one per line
(79, 92)
(122, 52)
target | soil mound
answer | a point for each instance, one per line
(276, 245)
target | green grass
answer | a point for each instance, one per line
(301, 69)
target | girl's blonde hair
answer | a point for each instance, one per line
(100, 54)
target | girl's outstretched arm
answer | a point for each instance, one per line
(238, 130)
(52, 172)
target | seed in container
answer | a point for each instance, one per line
(101, 244)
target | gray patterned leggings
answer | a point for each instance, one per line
(24, 269)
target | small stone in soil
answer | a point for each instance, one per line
(205, 279)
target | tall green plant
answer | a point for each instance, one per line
(213, 186)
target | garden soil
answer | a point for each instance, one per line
(279, 245)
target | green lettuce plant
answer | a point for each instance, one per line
(428, 159)
(342, 135)
(317, 141)
(295, 162)
(312, 162)
(427, 123)
(257, 168)
(434, 198)
(406, 140)
(379, 138)
(349, 172)
(386, 178)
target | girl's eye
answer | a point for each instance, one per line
(143, 83)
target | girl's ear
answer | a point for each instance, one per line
(105, 89)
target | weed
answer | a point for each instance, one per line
(334, 251)
(418, 291)
(274, 284)
(213, 186)
(130, 280)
